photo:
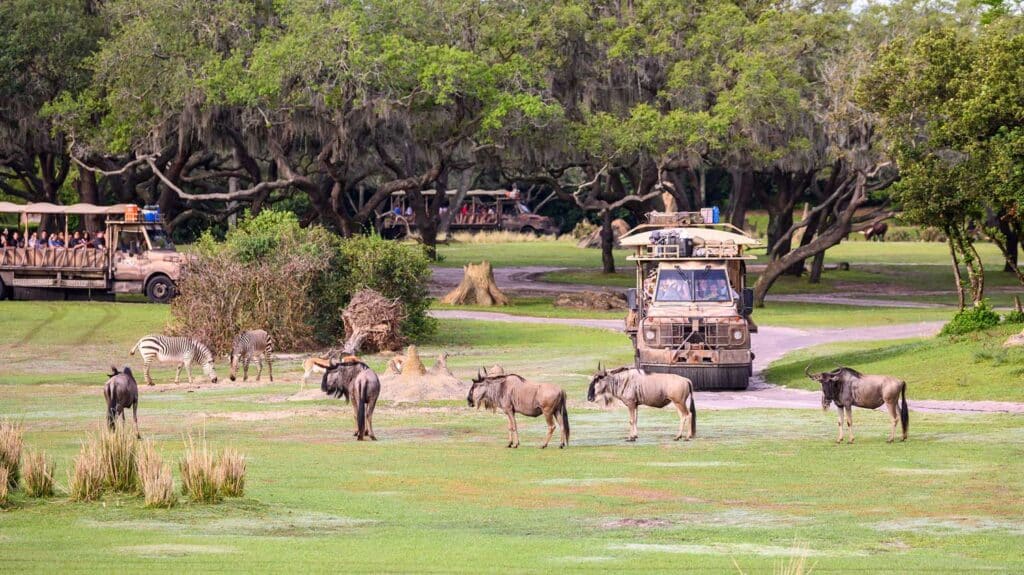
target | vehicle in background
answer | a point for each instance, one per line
(480, 210)
(137, 257)
(690, 311)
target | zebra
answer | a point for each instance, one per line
(181, 350)
(249, 345)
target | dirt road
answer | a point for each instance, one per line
(770, 344)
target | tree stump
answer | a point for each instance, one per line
(477, 287)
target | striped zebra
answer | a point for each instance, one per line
(180, 350)
(249, 345)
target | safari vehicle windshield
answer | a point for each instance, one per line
(159, 239)
(678, 285)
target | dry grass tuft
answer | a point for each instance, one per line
(199, 474)
(155, 476)
(498, 237)
(795, 565)
(4, 478)
(117, 450)
(85, 482)
(38, 479)
(231, 473)
(12, 439)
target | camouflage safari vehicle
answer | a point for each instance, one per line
(136, 257)
(690, 311)
(498, 210)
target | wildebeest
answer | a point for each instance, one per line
(354, 381)
(121, 392)
(635, 387)
(876, 231)
(513, 394)
(847, 388)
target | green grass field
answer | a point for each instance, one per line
(970, 367)
(439, 493)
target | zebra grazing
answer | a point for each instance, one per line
(180, 350)
(249, 345)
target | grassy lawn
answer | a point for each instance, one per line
(552, 253)
(970, 367)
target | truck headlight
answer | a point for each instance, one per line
(650, 334)
(737, 335)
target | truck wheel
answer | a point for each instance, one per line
(160, 289)
(3, 290)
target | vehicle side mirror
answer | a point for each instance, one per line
(747, 305)
(631, 299)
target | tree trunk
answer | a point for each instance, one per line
(961, 300)
(607, 243)
(478, 286)
(817, 265)
(739, 199)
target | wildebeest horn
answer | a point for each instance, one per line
(807, 370)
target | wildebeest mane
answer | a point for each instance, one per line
(340, 392)
(847, 370)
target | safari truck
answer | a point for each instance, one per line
(136, 257)
(480, 210)
(690, 311)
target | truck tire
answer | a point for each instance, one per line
(160, 289)
(3, 290)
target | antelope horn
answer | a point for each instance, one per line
(807, 370)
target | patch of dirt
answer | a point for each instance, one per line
(951, 525)
(165, 550)
(731, 549)
(636, 522)
(577, 482)
(690, 463)
(269, 415)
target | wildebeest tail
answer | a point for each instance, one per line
(904, 412)
(361, 417)
(693, 413)
(565, 418)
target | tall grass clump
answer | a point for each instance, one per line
(500, 237)
(38, 476)
(4, 489)
(117, 450)
(88, 472)
(971, 319)
(231, 473)
(12, 439)
(155, 476)
(199, 474)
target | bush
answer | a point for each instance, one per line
(270, 273)
(38, 477)
(231, 473)
(976, 318)
(394, 269)
(11, 442)
(117, 450)
(85, 482)
(932, 235)
(199, 477)
(583, 229)
(900, 235)
(155, 476)
(1014, 316)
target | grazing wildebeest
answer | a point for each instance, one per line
(354, 381)
(635, 387)
(877, 231)
(121, 392)
(847, 388)
(513, 394)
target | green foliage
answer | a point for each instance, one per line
(1014, 316)
(396, 270)
(976, 318)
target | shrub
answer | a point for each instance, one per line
(5, 478)
(1014, 316)
(117, 451)
(231, 473)
(583, 229)
(901, 235)
(11, 442)
(38, 478)
(394, 269)
(199, 478)
(85, 482)
(156, 477)
(932, 235)
(976, 318)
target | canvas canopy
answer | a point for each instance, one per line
(74, 209)
(696, 233)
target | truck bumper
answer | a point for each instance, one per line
(707, 377)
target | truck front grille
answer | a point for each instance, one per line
(712, 335)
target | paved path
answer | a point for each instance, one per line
(770, 344)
